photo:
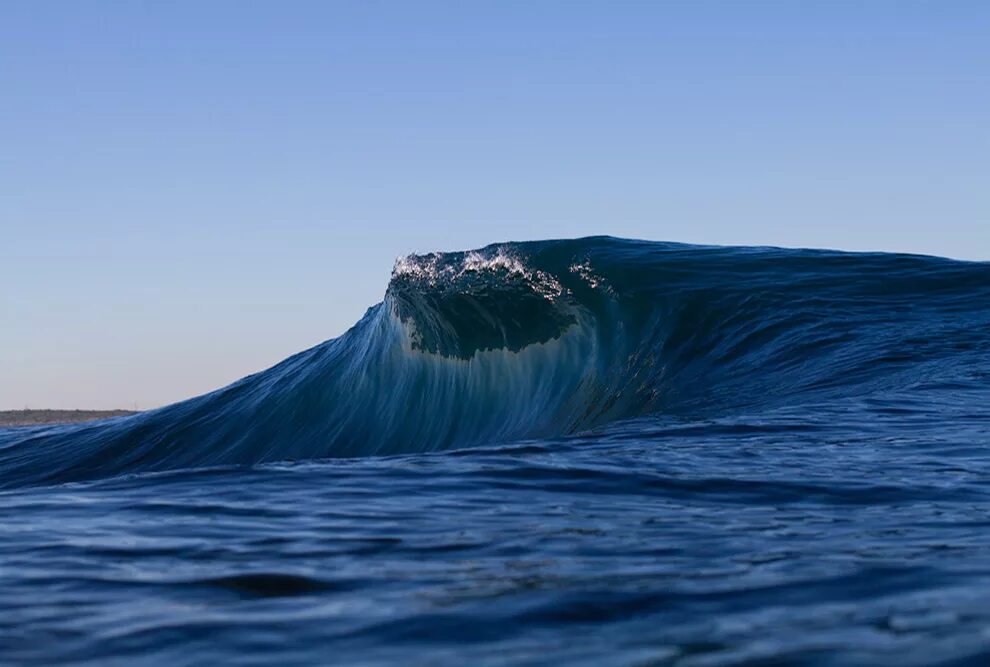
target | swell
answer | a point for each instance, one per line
(544, 339)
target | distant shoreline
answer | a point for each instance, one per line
(40, 417)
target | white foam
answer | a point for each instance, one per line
(429, 269)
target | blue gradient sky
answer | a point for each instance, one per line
(190, 191)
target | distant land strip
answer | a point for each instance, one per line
(36, 417)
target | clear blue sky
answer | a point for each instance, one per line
(191, 191)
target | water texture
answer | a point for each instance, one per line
(592, 451)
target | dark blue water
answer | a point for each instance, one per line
(593, 452)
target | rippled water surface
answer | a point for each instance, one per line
(853, 533)
(734, 456)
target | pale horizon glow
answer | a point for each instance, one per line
(190, 192)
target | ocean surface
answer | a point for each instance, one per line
(590, 452)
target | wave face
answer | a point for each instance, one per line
(533, 340)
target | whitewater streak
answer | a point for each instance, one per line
(548, 338)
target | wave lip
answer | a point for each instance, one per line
(457, 304)
(549, 338)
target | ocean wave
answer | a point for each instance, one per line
(542, 339)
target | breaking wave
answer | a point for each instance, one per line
(543, 339)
